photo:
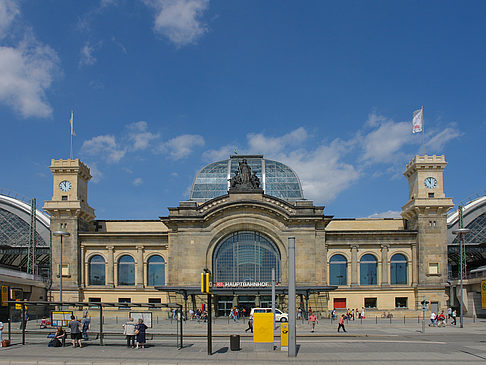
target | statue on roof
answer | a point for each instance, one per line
(244, 179)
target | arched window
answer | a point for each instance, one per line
(96, 270)
(126, 270)
(156, 271)
(368, 270)
(246, 257)
(338, 269)
(398, 269)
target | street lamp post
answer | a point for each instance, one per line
(60, 234)
(461, 232)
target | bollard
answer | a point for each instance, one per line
(474, 319)
(116, 319)
(361, 319)
(376, 319)
(418, 319)
(157, 319)
(390, 320)
(403, 319)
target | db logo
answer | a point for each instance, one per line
(219, 285)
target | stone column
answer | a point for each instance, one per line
(139, 276)
(384, 266)
(235, 300)
(110, 280)
(325, 266)
(354, 265)
(414, 265)
(84, 268)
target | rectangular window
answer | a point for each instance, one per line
(65, 270)
(431, 195)
(433, 268)
(64, 197)
(401, 302)
(124, 300)
(154, 300)
(370, 302)
(339, 303)
(94, 300)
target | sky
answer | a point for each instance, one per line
(161, 88)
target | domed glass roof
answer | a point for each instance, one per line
(276, 179)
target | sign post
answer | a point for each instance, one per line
(205, 280)
(292, 305)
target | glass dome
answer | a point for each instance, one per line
(276, 179)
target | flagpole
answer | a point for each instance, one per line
(71, 132)
(423, 131)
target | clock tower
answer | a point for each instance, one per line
(426, 213)
(71, 213)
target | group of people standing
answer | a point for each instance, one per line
(135, 333)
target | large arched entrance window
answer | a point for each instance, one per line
(398, 269)
(156, 271)
(96, 270)
(338, 268)
(126, 270)
(368, 270)
(247, 257)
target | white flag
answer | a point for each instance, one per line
(72, 125)
(418, 121)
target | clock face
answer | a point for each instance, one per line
(65, 185)
(430, 182)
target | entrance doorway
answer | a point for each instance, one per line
(224, 306)
(246, 302)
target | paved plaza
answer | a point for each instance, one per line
(364, 343)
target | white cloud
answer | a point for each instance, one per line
(8, 11)
(382, 144)
(27, 68)
(321, 169)
(387, 214)
(259, 142)
(139, 136)
(137, 181)
(437, 142)
(87, 57)
(104, 147)
(26, 72)
(181, 146)
(219, 154)
(179, 20)
(96, 174)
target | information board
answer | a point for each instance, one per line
(146, 316)
(61, 318)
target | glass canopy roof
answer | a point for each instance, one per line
(276, 179)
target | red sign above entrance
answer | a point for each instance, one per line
(242, 284)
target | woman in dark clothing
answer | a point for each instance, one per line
(140, 332)
(59, 337)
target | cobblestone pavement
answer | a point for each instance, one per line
(367, 343)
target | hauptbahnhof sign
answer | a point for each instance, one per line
(242, 284)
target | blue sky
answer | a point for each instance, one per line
(161, 88)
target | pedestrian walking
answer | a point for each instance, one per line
(250, 325)
(454, 315)
(441, 319)
(129, 332)
(299, 313)
(75, 327)
(341, 323)
(140, 329)
(26, 319)
(313, 320)
(333, 314)
(362, 312)
(1, 329)
(449, 313)
(433, 318)
(85, 322)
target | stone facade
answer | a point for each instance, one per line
(187, 239)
